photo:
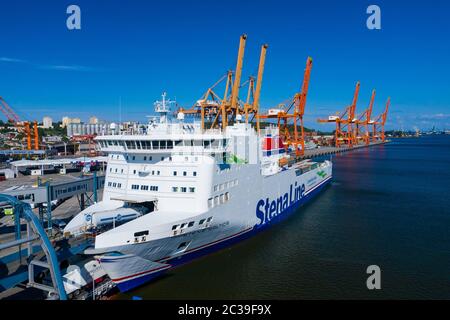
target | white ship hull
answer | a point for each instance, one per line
(243, 216)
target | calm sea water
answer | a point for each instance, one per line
(388, 205)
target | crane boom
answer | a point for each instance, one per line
(305, 85)
(8, 111)
(237, 77)
(262, 60)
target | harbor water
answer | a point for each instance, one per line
(388, 205)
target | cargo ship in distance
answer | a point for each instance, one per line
(174, 193)
(176, 190)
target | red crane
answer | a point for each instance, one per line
(8, 111)
(378, 124)
(283, 115)
(363, 133)
(22, 126)
(344, 133)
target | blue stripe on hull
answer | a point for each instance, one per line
(131, 284)
(136, 282)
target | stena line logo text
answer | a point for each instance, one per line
(266, 209)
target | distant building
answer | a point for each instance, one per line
(51, 139)
(66, 121)
(93, 120)
(47, 123)
(81, 129)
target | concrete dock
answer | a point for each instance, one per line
(324, 151)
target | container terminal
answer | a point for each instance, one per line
(41, 257)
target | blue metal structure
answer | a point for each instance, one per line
(35, 231)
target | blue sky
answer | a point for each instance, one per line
(128, 52)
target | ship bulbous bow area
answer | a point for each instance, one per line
(129, 271)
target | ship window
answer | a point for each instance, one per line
(183, 225)
(216, 188)
(209, 219)
(170, 158)
(194, 173)
(184, 173)
(109, 184)
(146, 144)
(150, 158)
(198, 143)
(162, 144)
(183, 189)
(222, 198)
(155, 144)
(174, 227)
(162, 158)
(210, 202)
(145, 158)
(227, 196)
(178, 142)
(215, 143)
(114, 184)
(116, 170)
(191, 189)
(169, 144)
(134, 171)
(175, 189)
(216, 200)
(222, 186)
(119, 185)
(134, 158)
(174, 173)
(141, 233)
(158, 172)
(202, 221)
(191, 224)
(153, 172)
(121, 171)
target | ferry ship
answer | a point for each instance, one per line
(173, 193)
(175, 190)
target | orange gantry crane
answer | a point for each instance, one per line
(220, 111)
(344, 133)
(362, 122)
(378, 124)
(22, 126)
(283, 116)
